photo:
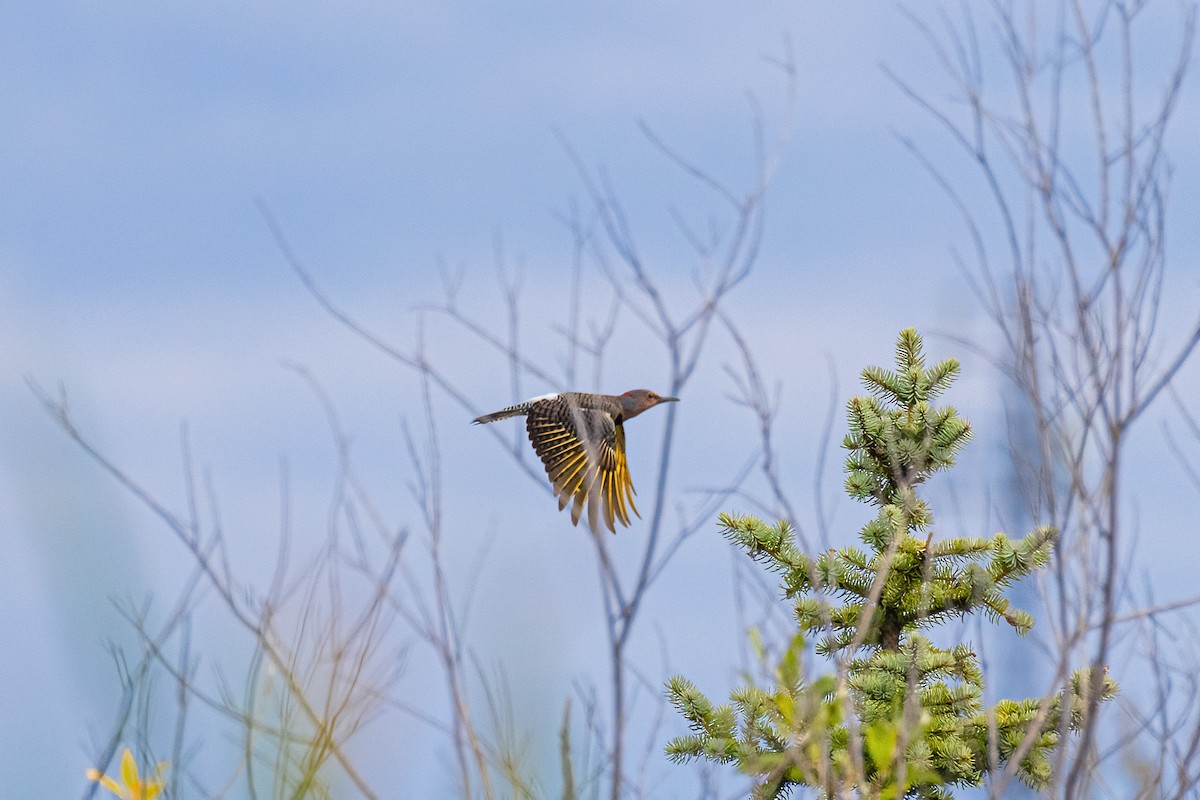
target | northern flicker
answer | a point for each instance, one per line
(581, 439)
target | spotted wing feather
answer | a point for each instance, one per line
(583, 450)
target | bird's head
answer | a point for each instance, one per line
(638, 400)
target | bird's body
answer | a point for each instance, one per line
(580, 438)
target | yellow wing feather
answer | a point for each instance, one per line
(589, 472)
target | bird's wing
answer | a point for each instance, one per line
(584, 453)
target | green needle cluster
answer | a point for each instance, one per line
(899, 717)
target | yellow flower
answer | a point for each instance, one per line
(134, 787)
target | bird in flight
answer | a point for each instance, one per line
(580, 438)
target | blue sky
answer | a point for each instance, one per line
(136, 269)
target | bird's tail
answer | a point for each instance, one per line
(504, 413)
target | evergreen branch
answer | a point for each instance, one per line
(902, 718)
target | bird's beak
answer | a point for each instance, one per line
(668, 399)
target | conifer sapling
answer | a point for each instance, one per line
(899, 717)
